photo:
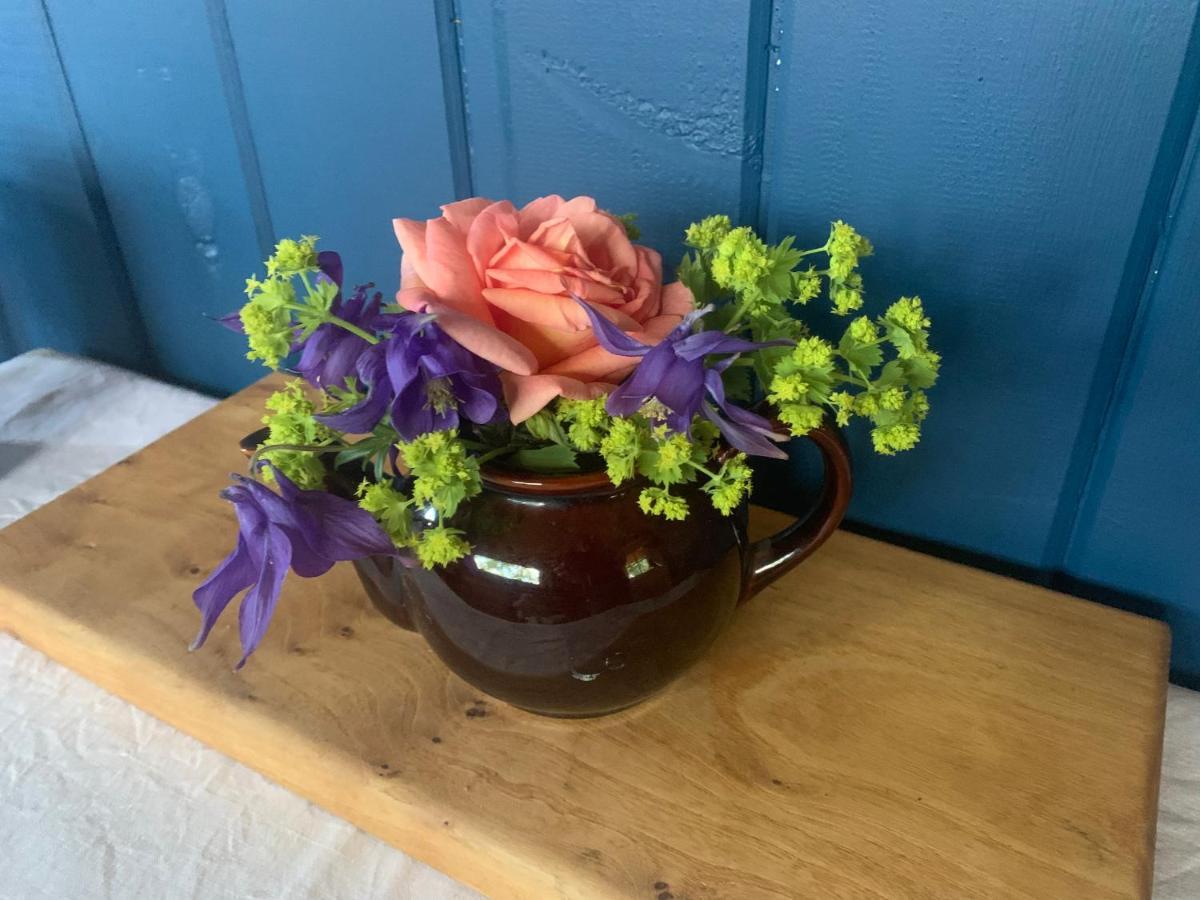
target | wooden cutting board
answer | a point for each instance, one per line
(877, 724)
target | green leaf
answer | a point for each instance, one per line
(739, 385)
(781, 259)
(545, 427)
(550, 460)
(861, 357)
(891, 375)
(694, 275)
(900, 337)
(921, 373)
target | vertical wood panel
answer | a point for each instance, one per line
(998, 155)
(62, 281)
(148, 89)
(348, 118)
(641, 104)
(1138, 528)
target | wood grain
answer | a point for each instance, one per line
(877, 724)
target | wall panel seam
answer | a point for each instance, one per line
(239, 120)
(754, 118)
(97, 201)
(1138, 280)
(773, 88)
(449, 38)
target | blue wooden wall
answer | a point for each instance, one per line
(1028, 167)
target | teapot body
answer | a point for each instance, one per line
(572, 603)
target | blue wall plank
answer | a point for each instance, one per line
(634, 102)
(1137, 529)
(62, 280)
(998, 155)
(355, 135)
(150, 97)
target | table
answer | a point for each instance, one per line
(878, 723)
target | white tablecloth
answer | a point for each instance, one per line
(98, 799)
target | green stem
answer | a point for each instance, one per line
(335, 320)
(850, 379)
(354, 329)
(702, 469)
(296, 448)
(493, 453)
(740, 314)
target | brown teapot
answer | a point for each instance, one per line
(573, 602)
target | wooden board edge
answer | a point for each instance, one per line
(346, 789)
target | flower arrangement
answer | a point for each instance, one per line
(543, 339)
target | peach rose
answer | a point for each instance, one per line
(502, 281)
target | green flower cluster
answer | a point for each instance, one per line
(292, 424)
(274, 315)
(634, 446)
(878, 370)
(444, 475)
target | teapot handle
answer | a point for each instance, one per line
(772, 556)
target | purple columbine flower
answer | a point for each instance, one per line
(307, 531)
(330, 354)
(423, 379)
(673, 372)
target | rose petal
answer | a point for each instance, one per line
(462, 213)
(552, 310)
(535, 212)
(677, 299)
(590, 364)
(517, 254)
(408, 275)
(557, 234)
(489, 232)
(603, 238)
(449, 271)
(528, 394)
(548, 345)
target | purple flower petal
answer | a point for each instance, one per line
(748, 440)
(364, 416)
(234, 574)
(744, 430)
(258, 605)
(304, 530)
(346, 530)
(232, 321)
(480, 404)
(635, 390)
(700, 345)
(610, 337)
(330, 264)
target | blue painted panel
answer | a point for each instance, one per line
(1138, 528)
(998, 155)
(150, 97)
(354, 136)
(633, 102)
(62, 281)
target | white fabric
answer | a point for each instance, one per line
(1177, 858)
(100, 800)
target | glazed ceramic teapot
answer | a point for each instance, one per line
(573, 602)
